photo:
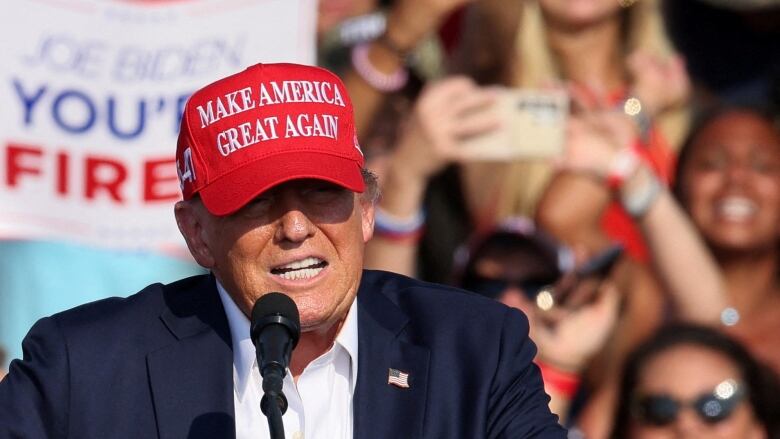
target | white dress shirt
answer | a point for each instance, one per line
(319, 406)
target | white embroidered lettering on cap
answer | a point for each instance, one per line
(247, 134)
(357, 144)
(208, 114)
(188, 173)
(319, 92)
(312, 125)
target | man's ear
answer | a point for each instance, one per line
(367, 218)
(191, 219)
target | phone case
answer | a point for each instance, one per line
(533, 126)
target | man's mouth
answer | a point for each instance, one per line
(303, 269)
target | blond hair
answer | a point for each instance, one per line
(506, 43)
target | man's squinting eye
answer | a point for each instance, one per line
(323, 192)
(258, 206)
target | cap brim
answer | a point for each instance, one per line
(233, 191)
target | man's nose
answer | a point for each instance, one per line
(294, 226)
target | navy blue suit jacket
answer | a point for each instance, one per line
(158, 364)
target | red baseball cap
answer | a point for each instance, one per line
(269, 124)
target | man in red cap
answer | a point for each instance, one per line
(275, 198)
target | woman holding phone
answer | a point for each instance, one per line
(608, 50)
(570, 304)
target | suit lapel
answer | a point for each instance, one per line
(192, 378)
(383, 410)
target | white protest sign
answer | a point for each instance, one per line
(92, 94)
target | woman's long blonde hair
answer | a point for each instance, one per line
(505, 42)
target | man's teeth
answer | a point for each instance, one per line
(303, 269)
(736, 208)
(304, 273)
(303, 263)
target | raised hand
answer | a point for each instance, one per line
(568, 338)
(409, 21)
(660, 83)
(445, 112)
(593, 139)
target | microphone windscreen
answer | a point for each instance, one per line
(274, 304)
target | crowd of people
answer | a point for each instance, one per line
(644, 248)
(678, 167)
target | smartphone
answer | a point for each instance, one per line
(601, 264)
(581, 286)
(533, 125)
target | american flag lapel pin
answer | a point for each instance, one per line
(398, 378)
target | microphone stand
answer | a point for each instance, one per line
(274, 415)
(274, 403)
(275, 330)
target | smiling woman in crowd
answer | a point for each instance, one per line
(729, 182)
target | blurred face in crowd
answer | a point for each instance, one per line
(304, 238)
(731, 182)
(691, 376)
(512, 277)
(579, 13)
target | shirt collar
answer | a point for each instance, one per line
(244, 357)
(243, 349)
(348, 339)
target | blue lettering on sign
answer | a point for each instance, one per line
(28, 100)
(170, 63)
(139, 125)
(91, 58)
(75, 111)
(63, 54)
(180, 103)
(56, 111)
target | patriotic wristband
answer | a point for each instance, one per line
(376, 79)
(392, 224)
(559, 381)
(398, 229)
(401, 238)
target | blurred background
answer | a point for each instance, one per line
(610, 167)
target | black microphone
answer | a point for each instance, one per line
(275, 330)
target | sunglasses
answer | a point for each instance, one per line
(712, 407)
(494, 288)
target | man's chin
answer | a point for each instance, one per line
(320, 325)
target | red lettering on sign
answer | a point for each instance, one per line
(15, 166)
(62, 173)
(73, 174)
(104, 174)
(160, 175)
